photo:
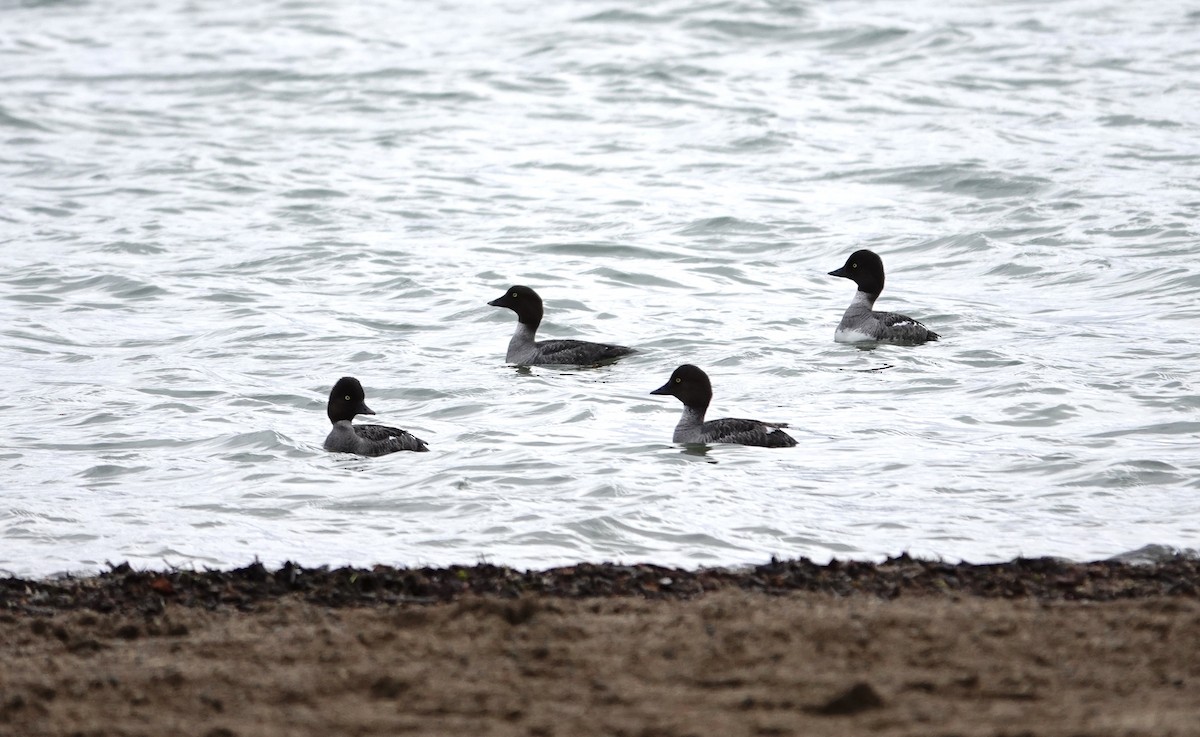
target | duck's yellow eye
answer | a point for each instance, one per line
(514, 295)
(854, 266)
(347, 397)
(678, 380)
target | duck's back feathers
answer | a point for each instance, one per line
(371, 440)
(741, 432)
(903, 329)
(579, 352)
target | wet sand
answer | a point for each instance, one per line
(1035, 647)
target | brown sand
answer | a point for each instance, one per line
(1102, 649)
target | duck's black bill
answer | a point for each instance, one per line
(840, 272)
(363, 409)
(664, 389)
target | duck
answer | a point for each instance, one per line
(690, 385)
(523, 350)
(348, 399)
(861, 322)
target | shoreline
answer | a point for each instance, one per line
(122, 586)
(903, 647)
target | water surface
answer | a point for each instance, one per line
(214, 210)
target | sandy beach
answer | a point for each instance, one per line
(906, 647)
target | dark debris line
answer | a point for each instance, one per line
(125, 589)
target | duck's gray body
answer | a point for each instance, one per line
(861, 324)
(693, 429)
(523, 350)
(371, 440)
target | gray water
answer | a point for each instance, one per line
(211, 211)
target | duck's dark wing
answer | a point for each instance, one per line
(904, 329)
(747, 432)
(579, 352)
(389, 439)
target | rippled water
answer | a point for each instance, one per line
(211, 211)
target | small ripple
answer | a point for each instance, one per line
(1028, 414)
(314, 194)
(1120, 121)
(966, 179)
(1131, 474)
(11, 121)
(743, 29)
(123, 287)
(867, 38)
(722, 226)
(33, 299)
(986, 359)
(1181, 427)
(137, 249)
(260, 440)
(624, 277)
(1002, 84)
(111, 471)
(599, 249)
(622, 16)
